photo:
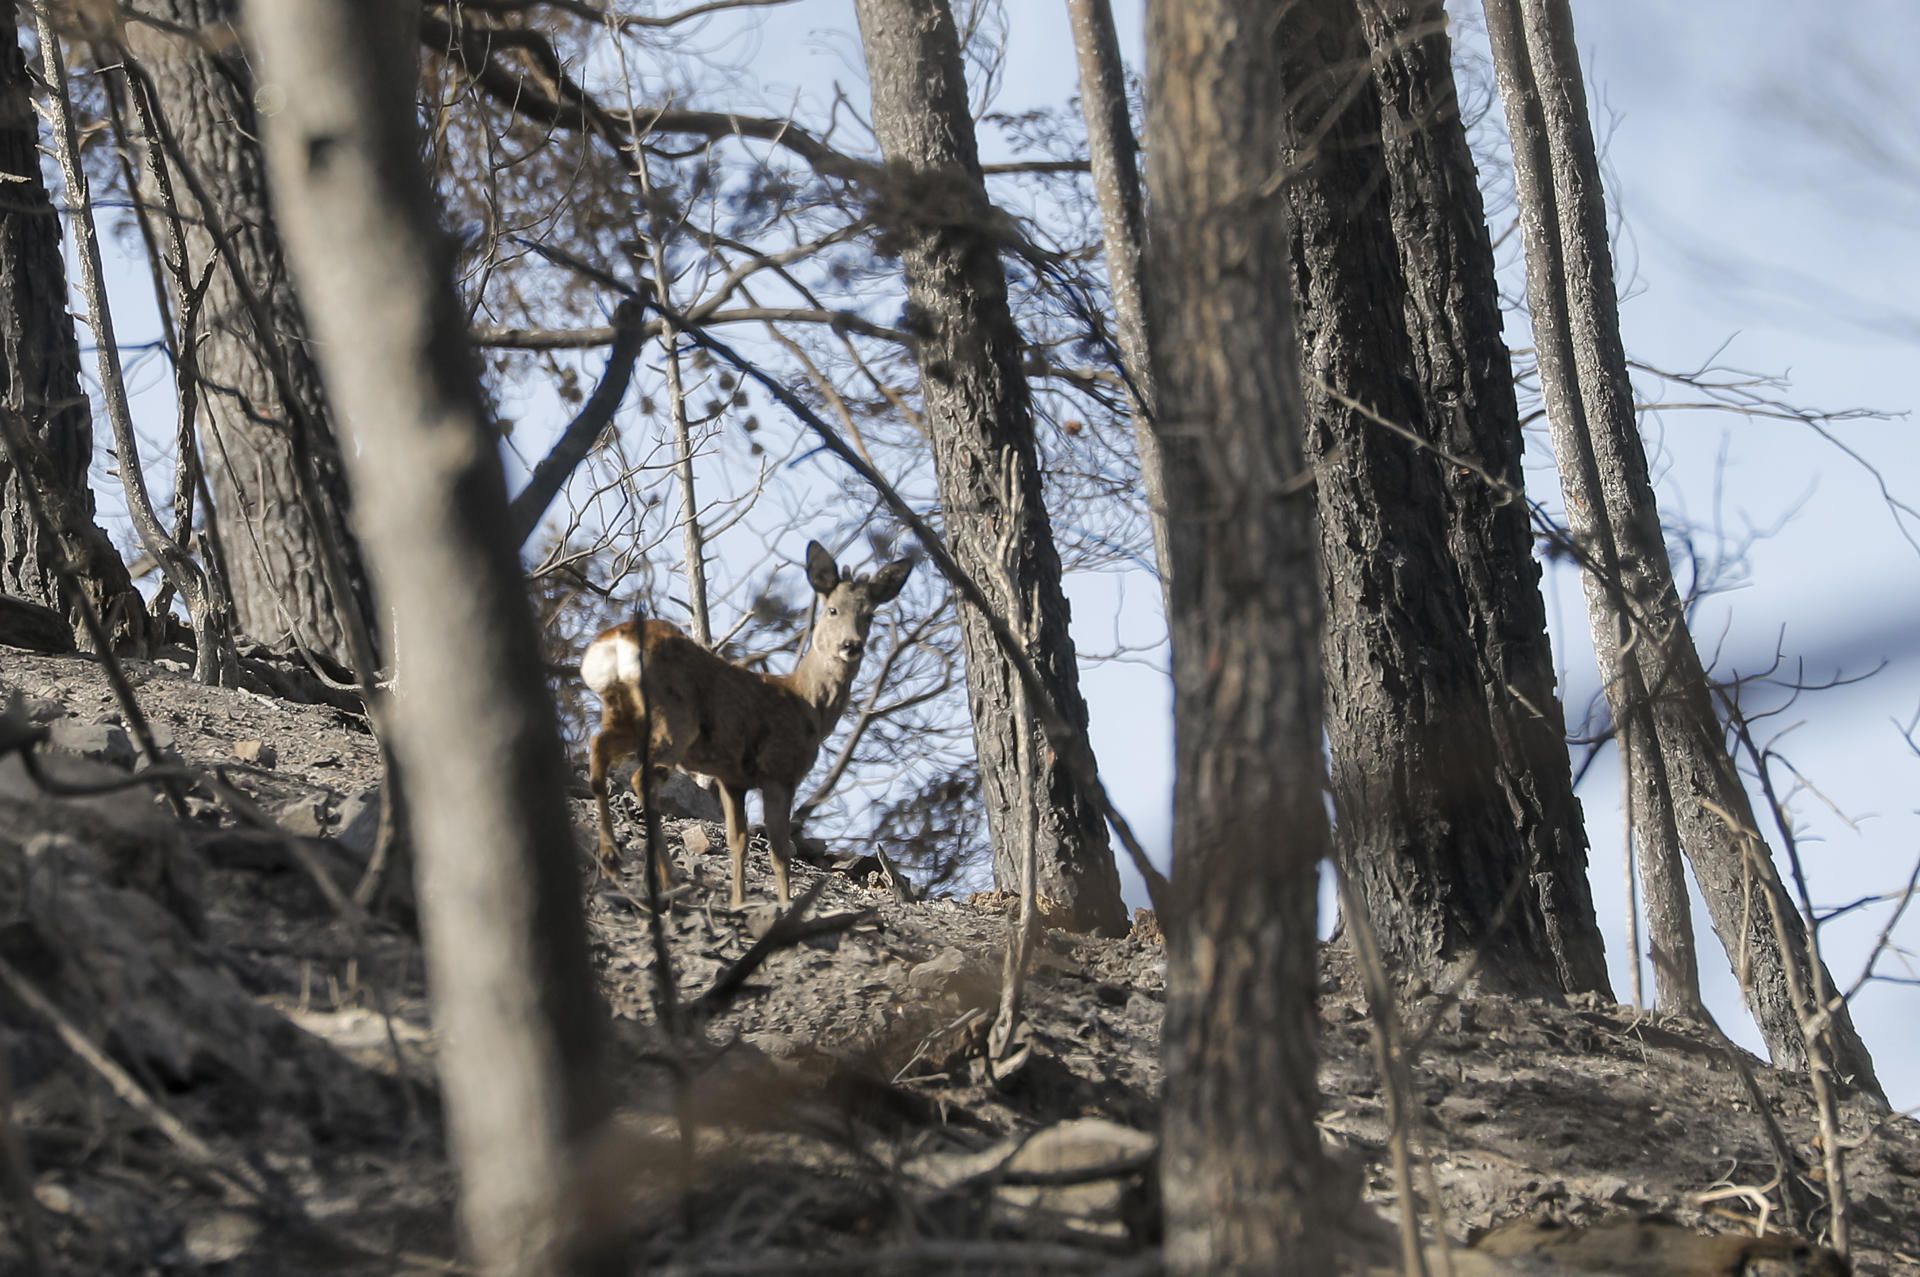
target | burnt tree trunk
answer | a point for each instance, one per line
(935, 209)
(252, 418)
(1604, 466)
(1113, 156)
(1424, 826)
(1465, 379)
(1246, 1185)
(40, 380)
(472, 723)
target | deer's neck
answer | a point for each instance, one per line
(824, 683)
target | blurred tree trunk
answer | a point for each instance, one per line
(1246, 1184)
(472, 723)
(1465, 379)
(40, 380)
(1114, 158)
(1604, 470)
(252, 416)
(1423, 825)
(978, 412)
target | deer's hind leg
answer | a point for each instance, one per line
(614, 741)
(644, 779)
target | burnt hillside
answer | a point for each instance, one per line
(219, 1064)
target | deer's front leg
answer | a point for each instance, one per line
(608, 744)
(733, 805)
(778, 802)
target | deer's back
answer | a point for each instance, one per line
(699, 711)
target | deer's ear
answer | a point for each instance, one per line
(889, 580)
(822, 573)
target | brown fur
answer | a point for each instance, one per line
(700, 713)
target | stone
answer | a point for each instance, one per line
(1107, 1206)
(56, 1198)
(1085, 1177)
(695, 840)
(256, 752)
(219, 1237)
(101, 740)
(39, 709)
(303, 815)
(951, 973)
(358, 822)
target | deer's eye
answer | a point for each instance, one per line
(833, 611)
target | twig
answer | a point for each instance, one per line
(1003, 1057)
(1395, 1076)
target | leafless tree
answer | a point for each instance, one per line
(214, 657)
(40, 380)
(1246, 1185)
(275, 467)
(1113, 156)
(1603, 466)
(1424, 826)
(1465, 379)
(978, 410)
(473, 728)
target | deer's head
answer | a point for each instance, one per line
(847, 603)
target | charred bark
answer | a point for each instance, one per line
(1246, 1185)
(1424, 825)
(935, 210)
(40, 380)
(1465, 378)
(263, 403)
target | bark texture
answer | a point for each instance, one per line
(40, 380)
(1604, 470)
(1425, 828)
(1465, 379)
(1247, 1188)
(935, 208)
(275, 572)
(1114, 157)
(472, 723)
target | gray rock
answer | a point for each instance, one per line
(257, 752)
(303, 815)
(219, 1237)
(104, 741)
(952, 973)
(39, 709)
(359, 822)
(1073, 1150)
(1086, 1177)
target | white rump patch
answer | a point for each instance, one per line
(610, 662)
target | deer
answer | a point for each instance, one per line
(680, 706)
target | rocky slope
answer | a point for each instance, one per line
(217, 1063)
